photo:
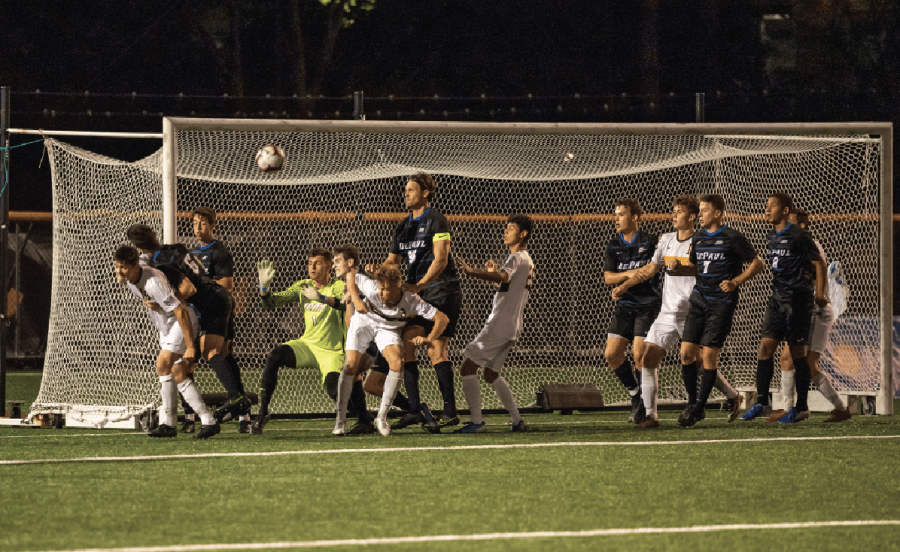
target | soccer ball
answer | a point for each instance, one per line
(270, 158)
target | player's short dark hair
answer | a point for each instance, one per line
(142, 236)
(784, 200)
(802, 217)
(634, 206)
(348, 252)
(426, 182)
(386, 275)
(689, 202)
(320, 252)
(524, 223)
(210, 214)
(716, 200)
(127, 254)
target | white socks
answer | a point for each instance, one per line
(787, 389)
(390, 391)
(169, 394)
(472, 391)
(191, 395)
(506, 398)
(345, 387)
(821, 381)
(649, 385)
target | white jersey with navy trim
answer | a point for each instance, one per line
(395, 317)
(154, 286)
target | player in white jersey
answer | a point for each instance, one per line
(668, 327)
(382, 310)
(177, 326)
(503, 327)
(823, 319)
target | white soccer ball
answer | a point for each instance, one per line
(270, 158)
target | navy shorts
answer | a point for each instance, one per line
(708, 322)
(630, 321)
(789, 318)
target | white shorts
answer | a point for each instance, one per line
(360, 334)
(821, 327)
(666, 330)
(489, 352)
(171, 339)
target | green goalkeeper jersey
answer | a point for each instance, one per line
(324, 326)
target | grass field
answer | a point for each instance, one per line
(579, 482)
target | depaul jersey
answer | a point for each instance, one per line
(414, 240)
(323, 325)
(154, 286)
(791, 253)
(676, 291)
(189, 266)
(622, 256)
(381, 316)
(505, 320)
(719, 256)
(216, 259)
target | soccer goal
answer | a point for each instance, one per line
(342, 183)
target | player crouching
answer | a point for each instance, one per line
(504, 325)
(174, 321)
(382, 309)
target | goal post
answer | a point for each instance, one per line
(341, 184)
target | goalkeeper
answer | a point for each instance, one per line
(322, 343)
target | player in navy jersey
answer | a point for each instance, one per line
(423, 241)
(636, 308)
(795, 262)
(214, 306)
(719, 253)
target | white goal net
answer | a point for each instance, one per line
(344, 185)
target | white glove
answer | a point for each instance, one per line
(313, 294)
(266, 274)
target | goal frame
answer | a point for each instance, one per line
(884, 397)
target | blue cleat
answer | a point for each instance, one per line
(471, 427)
(793, 416)
(755, 411)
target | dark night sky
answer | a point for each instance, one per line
(456, 49)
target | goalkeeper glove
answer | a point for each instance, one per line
(266, 274)
(313, 294)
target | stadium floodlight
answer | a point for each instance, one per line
(342, 183)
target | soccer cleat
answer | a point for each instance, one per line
(363, 428)
(383, 426)
(259, 424)
(696, 415)
(775, 415)
(794, 416)
(428, 422)
(407, 420)
(208, 431)
(471, 427)
(838, 415)
(638, 410)
(339, 429)
(755, 411)
(232, 409)
(189, 426)
(733, 406)
(245, 426)
(447, 421)
(649, 423)
(519, 426)
(162, 430)
(685, 413)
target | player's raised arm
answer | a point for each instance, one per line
(440, 322)
(353, 291)
(184, 321)
(490, 274)
(441, 249)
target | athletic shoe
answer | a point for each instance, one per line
(208, 431)
(685, 413)
(794, 416)
(638, 411)
(339, 429)
(383, 426)
(407, 420)
(755, 411)
(259, 424)
(447, 421)
(696, 415)
(838, 415)
(232, 409)
(189, 426)
(519, 426)
(162, 430)
(363, 428)
(428, 422)
(733, 406)
(245, 426)
(471, 427)
(649, 423)
(776, 415)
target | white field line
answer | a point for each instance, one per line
(447, 448)
(498, 536)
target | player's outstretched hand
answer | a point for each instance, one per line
(311, 293)
(152, 306)
(420, 340)
(371, 269)
(728, 286)
(673, 264)
(189, 356)
(617, 293)
(463, 265)
(490, 266)
(267, 273)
